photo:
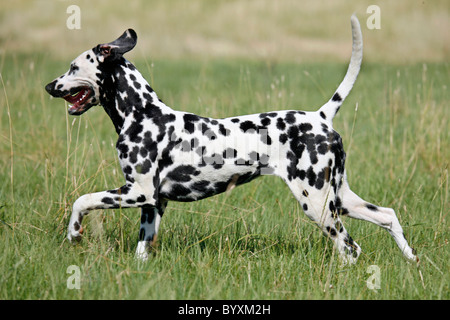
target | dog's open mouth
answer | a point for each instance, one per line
(79, 99)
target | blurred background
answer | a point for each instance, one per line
(410, 30)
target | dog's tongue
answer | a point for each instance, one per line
(76, 102)
(77, 98)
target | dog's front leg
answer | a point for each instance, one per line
(128, 196)
(150, 219)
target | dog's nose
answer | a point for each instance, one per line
(50, 87)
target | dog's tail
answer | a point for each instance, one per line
(329, 109)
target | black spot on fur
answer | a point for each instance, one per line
(331, 206)
(349, 241)
(280, 124)
(290, 118)
(265, 121)
(224, 131)
(320, 180)
(301, 174)
(144, 167)
(311, 175)
(122, 149)
(305, 127)
(134, 130)
(201, 185)
(166, 159)
(248, 125)
(336, 97)
(180, 190)
(150, 146)
(331, 231)
(322, 115)
(73, 68)
(189, 120)
(183, 173)
(207, 131)
(323, 148)
(133, 154)
(108, 200)
(338, 202)
(270, 114)
(292, 170)
(293, 132)
(124, 189)
(141, 198)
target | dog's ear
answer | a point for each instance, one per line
(118, 47)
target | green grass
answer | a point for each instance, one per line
(254, 243)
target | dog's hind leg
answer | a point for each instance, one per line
(318, 206)
(150, 219)
(352, 205)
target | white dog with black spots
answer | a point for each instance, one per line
(168, 155)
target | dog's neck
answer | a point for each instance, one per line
(125, 91)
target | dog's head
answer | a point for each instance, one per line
(80, 86)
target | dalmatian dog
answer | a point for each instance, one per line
(168, 155)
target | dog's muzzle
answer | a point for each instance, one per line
(80, 99)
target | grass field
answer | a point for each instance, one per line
(253, 243)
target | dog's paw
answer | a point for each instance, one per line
(411, 255)
(142, 251)
(73, 235)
